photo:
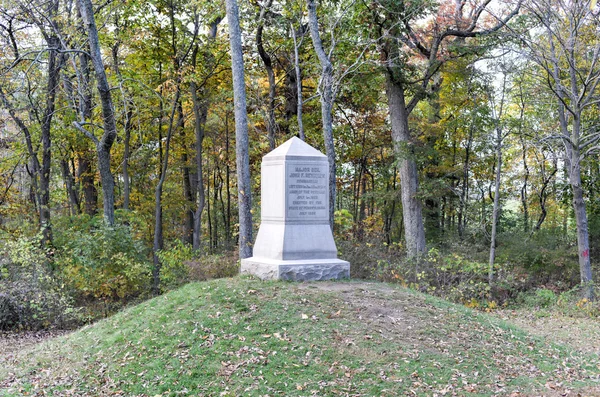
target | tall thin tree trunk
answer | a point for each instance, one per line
(188, 194)
(298, 84)
(200, 106)
(327, 98)
(524, 198)
(266, 58)
(583, 239)
(200, 113)
(54, 66)
(215, 210)
(462, 212)
(227, 182)
(496, 211)
(74, 205)
(85, 173)
(158, 242)
(209, 214)
(126, 154)
(241, 131)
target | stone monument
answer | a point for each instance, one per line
(295, 241)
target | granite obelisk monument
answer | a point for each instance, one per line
(294, 240)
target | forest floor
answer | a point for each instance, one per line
(244, 337)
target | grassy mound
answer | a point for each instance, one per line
(242, 337)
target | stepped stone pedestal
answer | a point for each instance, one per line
(294, 241)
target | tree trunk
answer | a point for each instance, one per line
(86, 179)
(104, 145)
(85, 172)
(126, 153)
(524, 198)
(266, 58)
(74, 205)
(298, 85)
(463, 204)
(241, 131)
(583, 240)
(326, 93)
(215, 210)
(543, 194)
(200, 106)
(54, 66)
(496, 211)
(158, 242)
(411, 205)
(188, 194)
(200, 114)
(227, 182)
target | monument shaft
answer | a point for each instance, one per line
(295, 241)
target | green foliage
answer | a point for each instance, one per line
(214, 266)
(343, 222)
(545, 255)
(571, 304)
(540, 298)
(32, 296)
(180, 265)
(174, 271)
(103, 262)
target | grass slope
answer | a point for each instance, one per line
(242, 337)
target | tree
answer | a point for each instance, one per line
(567, 48)
(241, 131)
(266, 58)
(49, 30)
(104, 144)
(402, 38)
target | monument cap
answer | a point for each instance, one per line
(294, 149)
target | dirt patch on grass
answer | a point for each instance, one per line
(381, 308)
(13, 342)
(579, 333)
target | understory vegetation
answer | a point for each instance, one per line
(94, 270)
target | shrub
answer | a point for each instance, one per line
(180, 265)
(9, 315)
(105, 262)
(174, 271)
(32, 296)
(571, 304)
(214, 266)
(540, 298)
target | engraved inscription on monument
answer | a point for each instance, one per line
(307, 191)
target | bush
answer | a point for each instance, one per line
(174, 271)
(540, 298)
(32, 296)
(214, 266)
(180, 265)
(9, 314)
(105, 262)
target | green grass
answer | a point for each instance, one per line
(242, 337)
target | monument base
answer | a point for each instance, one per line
(296, 270)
